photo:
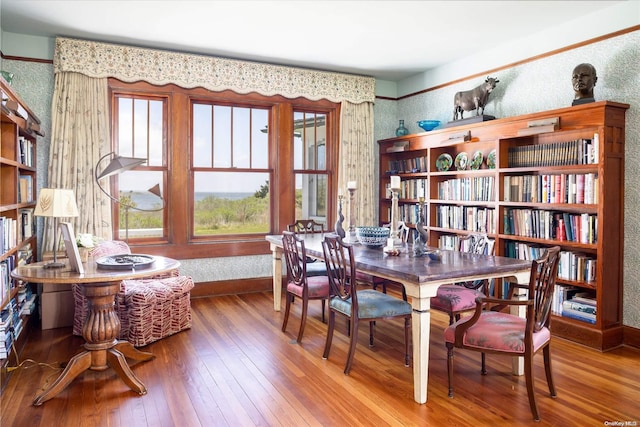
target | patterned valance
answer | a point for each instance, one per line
(160, 67)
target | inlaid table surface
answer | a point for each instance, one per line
(102, 326)
(421, 278)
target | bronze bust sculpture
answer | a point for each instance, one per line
(583, 79)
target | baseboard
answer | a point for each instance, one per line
(631, 336)
(228, 287)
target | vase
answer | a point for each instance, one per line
(402, 131)
(84, 254)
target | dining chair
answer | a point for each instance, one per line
(459, 297)
(310, 226)
(299, 284)
(374, 281)
(356, 305)
(494, 331)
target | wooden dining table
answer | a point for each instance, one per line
(421, 277)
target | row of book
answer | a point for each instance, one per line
(26, 151)
(575, 303)
(574, 266)
(575, 152)
(546, 224)
(11, 323)
(6, 283)
(411, 189)
(474, 189)
(13, 230)
(577, 266)
(416, 164)
(409, 214)
(560, 188)
(470, 218)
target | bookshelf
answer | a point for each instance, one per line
(529, 185)
(19, 129)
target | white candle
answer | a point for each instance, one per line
(395, 182)
(351, 185)
(339, 191)
(390, 242)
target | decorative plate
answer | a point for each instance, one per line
(462, 160)
(443, 162)
(476, 160)
(125, 261)
(491, 159)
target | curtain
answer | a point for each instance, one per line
(357, 160)
(80, 136)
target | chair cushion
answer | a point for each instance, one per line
(316, 269)
(454, 298)
(318, 287)
(498, 331)
(372, 304)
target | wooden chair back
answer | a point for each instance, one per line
(295, 257)
(339, 260)
(306, 226)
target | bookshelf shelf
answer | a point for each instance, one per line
(19, 129)
(561, 187)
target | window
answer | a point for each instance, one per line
(141, 133)
(232, 168)
(310, 165)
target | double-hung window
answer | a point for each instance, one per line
(231, 168)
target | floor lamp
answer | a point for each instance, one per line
(118, 165)
(56, 203)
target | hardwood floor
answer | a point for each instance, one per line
(236, 368)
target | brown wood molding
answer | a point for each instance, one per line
(231, 287)
(25, 59)
(631, 336)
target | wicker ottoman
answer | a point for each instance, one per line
(149, 309)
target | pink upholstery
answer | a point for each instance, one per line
(455, 298)
(318, 287)
(508, 337)
(149, 309)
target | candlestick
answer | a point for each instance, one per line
(394, 234)
(351, 237)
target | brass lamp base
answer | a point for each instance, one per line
(54, 264)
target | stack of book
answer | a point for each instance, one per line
(580, 307)
(6, 336)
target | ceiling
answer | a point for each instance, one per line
(390, 40)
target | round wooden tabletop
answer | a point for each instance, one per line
(93, 273)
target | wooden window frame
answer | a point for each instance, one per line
(180, 244)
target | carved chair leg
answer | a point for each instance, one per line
(407, 338)
(289, 299)
(303, 319)
(547, 368)
(371, 324)
(353, 340)
(327, 344)
(528, 372)
(450, 367)
(483, 369)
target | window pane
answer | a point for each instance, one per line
(144, 209)
(222, 137)
(241, 138)
(309, 130)
(202, 135)
(231, 203)
(259, 139)
(311, 197)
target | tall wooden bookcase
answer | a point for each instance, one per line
(549, 178)
(19, 129)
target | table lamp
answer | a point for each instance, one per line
(56, 203)
(118, 165)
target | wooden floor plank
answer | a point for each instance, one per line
(235, 367)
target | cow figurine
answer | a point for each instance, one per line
(474, 99)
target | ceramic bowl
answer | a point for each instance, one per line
(429, 124)
(434, 255)
(372, 237)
